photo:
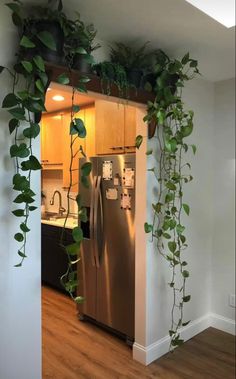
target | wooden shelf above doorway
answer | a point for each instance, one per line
(94, 85)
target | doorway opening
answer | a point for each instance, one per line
(114, 209)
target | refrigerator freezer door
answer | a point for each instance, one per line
(87, 271)
(115, 275)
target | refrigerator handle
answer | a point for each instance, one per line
(98, 229)
(91, 218)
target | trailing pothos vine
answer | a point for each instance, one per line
(172, 172)
(23, 103)
(77, 130)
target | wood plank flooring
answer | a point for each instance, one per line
(79, 350)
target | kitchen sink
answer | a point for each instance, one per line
(52, 216)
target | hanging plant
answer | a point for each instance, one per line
(25, 104)
(77, 130)
(113, 74)
(134, 61)
(79, 45)
(125, 69)
(174, 125)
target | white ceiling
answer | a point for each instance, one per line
(173, 25)
(222, 11)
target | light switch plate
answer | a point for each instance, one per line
(232, 300)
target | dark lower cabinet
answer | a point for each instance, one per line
(54, 258)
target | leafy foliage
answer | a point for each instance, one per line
(129, 57)
(174, 126)
(79, 40)
(112, 73)
(22, 106)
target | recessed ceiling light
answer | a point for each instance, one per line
(221, 11)
(58, 98)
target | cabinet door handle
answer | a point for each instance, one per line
(117, 148)
(44, 160)
(52, 164)
(130, 147)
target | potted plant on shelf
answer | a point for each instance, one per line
(79, 45)
(41, 28)
(112, 73)
(161, 68)
(133, 60)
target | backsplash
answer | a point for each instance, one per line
(51, 180)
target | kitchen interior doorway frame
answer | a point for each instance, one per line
(139, 100)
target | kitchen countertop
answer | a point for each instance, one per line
(70, 224)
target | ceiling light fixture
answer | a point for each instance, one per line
(221, 11)
(58, 98)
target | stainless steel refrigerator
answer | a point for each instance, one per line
(106, 269)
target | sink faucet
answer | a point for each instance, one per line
(61, 208)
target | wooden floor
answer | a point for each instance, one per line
(74, 350)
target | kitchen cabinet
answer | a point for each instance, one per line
(109, 127)
(55, 143)
(54, 259)
(51, 141)
(130, 128)
(115, 127)
(89, 115)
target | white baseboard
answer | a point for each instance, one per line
(222, 323)
(146, 355)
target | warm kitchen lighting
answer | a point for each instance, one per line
(58, 98)
(221, 11)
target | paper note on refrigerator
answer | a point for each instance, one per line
(111, 194)
(128, 177)
(125, 201)
(107, 170)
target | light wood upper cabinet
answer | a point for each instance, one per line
(115, 128)
(55, 143)
(51, 140)
(130, 128)
(89, 115)
(109, 127)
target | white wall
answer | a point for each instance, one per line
(199, 96)
(20, 312)
(223, 252)
(210, 227)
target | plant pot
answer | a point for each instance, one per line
(172, 82)
(151, 128)
(149, 80)
(82, 63)
(105, 70)
(135, 77)
(54, 28)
